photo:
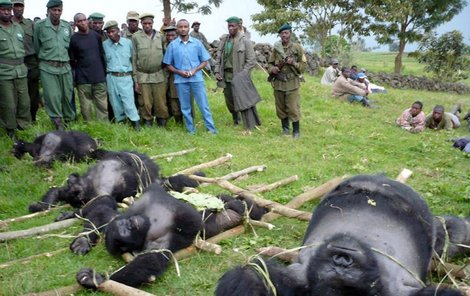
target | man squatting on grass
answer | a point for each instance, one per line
(344, 89)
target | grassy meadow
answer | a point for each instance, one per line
(337, 139)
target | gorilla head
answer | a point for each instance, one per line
(127, 234)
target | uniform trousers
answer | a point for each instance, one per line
(288, 104)
(93, 94)
(152, 101)
(57, 92)
(14, 104)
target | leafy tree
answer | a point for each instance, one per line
(186, 6)
(444, 56)
(315, 18)
(394, 46)
(407, 20)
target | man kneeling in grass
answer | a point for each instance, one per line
(344, 89)
(412, 119)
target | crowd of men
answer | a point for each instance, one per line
(134, 74)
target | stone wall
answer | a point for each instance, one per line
(417, 82)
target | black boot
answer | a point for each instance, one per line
(236, 119)
(365, 103)
(467, 116)
(148, 123)
(178, 119)
(285, 126)
(296, 128)
(161, 122)
(136, 125)
(57, 121)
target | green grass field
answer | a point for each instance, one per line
(337, 138)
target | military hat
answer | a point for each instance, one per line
(234, 19)
(96, 16)
(146, 15)
(53, 3)
(17, 2)
(5, 3)
(110, 24)
(169, 28)
(132, 15)
(334, 61)
(195, 23)
(284, 27)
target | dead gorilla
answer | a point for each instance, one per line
(60, 145)
(154, 224)
(117, 174)
(359, 237)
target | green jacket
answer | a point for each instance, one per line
(27, 26)
(292, 72)
(243, 55)
(51, 44)
(12, 52)
(147, 57)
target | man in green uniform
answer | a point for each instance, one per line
(149, 78)
(132, 24)
(51, 42)
(236, 55)
(30, 58)
(174, 106)
(286, 64)
(14, 101)
(97, 20)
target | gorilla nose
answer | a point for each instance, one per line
(343, 260)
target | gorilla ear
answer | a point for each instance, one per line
(73, 179)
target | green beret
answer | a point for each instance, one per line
(284, 27)
(234, 19)
(5, 3)
(146, 15)
(110, 24)
(96, 16)
(53, 3)
(169, 28)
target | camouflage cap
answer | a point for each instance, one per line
(110, 24)
(146, 15)
(132, 15)
(169, 28)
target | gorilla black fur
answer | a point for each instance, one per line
(117, 174)
(155, 224)
(369, 236)
(60, 145)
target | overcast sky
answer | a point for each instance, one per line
(213, 26)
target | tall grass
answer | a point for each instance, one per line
(337, 138)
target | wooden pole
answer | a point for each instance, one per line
(307, 196)
(28, 259)
(276, 184)
(206, 165)
(171, 154)
(404, 175)
(4, 223)
(234, 175)
(5, 236)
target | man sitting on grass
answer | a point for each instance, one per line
(412, 119)
(343, 88)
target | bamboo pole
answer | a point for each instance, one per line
(172, 154)
(5, 236)
(206, 165)
(4, 223)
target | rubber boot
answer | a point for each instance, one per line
(236, 118)
(136, 125)
(179, 119)
(161, 122)
(296, 129)
(57, 121)
(285, 126)
(365, 103)
(457, 108)
(148, 123)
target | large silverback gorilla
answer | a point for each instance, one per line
(369, 236)
(154, 225)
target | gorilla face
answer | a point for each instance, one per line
(344, 266)
(127, 234)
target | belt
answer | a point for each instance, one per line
(12, 62)
(55, 63)
(120, 74)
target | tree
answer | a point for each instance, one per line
(444, 56)
(315, 18)
(188, 7)
(407, 20)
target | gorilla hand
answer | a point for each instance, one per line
(89, 279)
(65, 215)
(81, 245)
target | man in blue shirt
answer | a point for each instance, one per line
(118, 52)
(186, 57)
